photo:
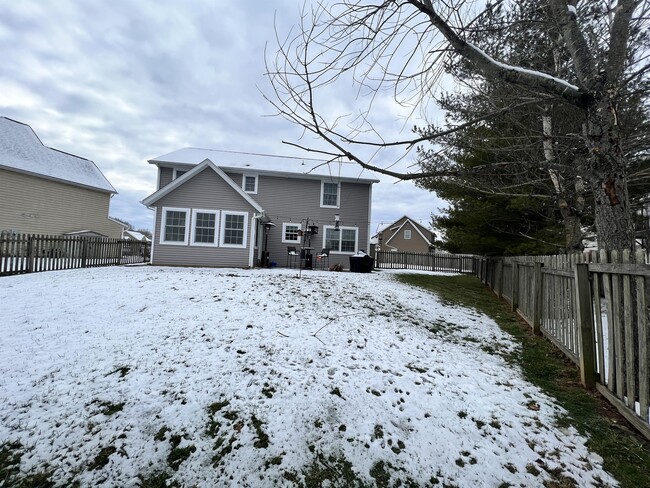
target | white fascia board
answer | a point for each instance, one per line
(154, 197)
(395, 233)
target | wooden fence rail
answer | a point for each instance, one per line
(20, 254)
(595, 308)
(454, 263)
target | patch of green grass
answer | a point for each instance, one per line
(626, 453)
(157, 479)
(109, 408)
(262, 441)
(268, 390)
(102, 458)
(160, 435)
(122, 370)
(274, 461)
(380, 471)
(178, 454)
(10, 455)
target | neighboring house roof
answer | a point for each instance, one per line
(21, 150)
(154, 197)
(395, 227)
(268, 164)
(138, 236)
(86, 233)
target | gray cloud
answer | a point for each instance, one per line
(122, 82)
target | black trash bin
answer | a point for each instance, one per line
(361, 264)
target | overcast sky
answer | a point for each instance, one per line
(122, 82)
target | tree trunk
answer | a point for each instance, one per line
(607, 180)
(572, 233)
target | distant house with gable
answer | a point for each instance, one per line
(405, 235)
(47, 191)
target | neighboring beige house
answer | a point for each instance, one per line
(405, 235)
(46, 191)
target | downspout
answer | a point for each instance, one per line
(153, 234)
(253, 245)
(369, 216)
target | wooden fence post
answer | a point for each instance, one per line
(30, 253)
(585, 326)
(84, 251)
(515, 285)
(538, 296)
(499, 278)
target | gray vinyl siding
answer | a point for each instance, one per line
(33, 205)
(166, 176)
(205, 190)
(296, 199)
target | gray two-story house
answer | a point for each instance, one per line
(231, 209)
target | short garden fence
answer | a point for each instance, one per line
(25, 253)
(454, 263)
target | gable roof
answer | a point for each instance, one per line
(138, 236)
(21, 150)
(394, 228)
(270, 164)
(165, 190)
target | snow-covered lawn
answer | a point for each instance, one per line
(258, 378)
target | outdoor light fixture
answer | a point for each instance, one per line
(336, 221)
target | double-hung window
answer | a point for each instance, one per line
(175, 226)
(343, 240)
(290, 233)
(407, 234)
(204, 227)
(249, 183)
(330, 194)
(233, 229)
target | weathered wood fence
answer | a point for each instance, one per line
(26, 253)
(455, 263)
(592, 306)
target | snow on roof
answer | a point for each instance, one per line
(22, 150)
(136, 235)
(268, 163)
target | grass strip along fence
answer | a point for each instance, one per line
(625, 452)
(594, 308)
(20, 254)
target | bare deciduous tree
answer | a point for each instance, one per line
(401, 48)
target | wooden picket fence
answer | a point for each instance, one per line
(593, 307)
(454, 263)
(20, 254)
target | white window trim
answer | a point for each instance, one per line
(341, 229)
(176, 170)
(216, 227)
(223, 225)
(163, 224)
(407, 234)
(243, 182)
(338, 194)
(284, 232)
